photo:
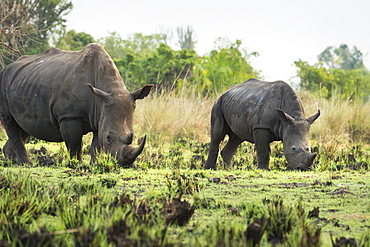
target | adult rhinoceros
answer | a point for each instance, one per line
(261, 112)
(61, 95)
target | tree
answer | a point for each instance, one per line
(50, 19)
(17, 22)
(338, 70)
(138, 58)
(26, 26)
(186, 38)
(225, 66)
(341, 58)
(163, 66)
(143, 59)
(137, 44)
(73, 41)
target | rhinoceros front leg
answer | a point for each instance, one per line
(262, 142)
(72, 131)
(229, 150)
(9, 152)
(95, 147)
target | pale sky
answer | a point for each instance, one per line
(281, 31)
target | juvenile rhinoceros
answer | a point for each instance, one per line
(261, 112)
(62, 95)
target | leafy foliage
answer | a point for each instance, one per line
(164, 67)
(338, 70)
(50, 19)
(350, 83)
(341, 58)
(147, 59)
(225, 66)
(136, 44)
(73, 41)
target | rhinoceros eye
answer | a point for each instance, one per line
(294, 148)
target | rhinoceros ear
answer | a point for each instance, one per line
(285, 118)
(312, 119)
(142, 92)
(105, 97)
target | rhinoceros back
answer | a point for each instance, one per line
(252, 105)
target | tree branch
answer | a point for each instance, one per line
(9, 47)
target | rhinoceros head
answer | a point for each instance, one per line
(115, 132)
(297, 149)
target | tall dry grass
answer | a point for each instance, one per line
(167, 117)
(341, 119)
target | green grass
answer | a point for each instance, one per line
(71, 204)
(65, 203)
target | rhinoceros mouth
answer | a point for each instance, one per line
(301, 167)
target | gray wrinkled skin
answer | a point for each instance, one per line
(261, 112)
(60, 96)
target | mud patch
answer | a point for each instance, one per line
(255, 231)
(342, 241)
(178, 212)
(44, 157)
(341, 191)
(314, 213)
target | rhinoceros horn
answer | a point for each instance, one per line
(137, 151)
(129, 153)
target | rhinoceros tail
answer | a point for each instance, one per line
(218, 122)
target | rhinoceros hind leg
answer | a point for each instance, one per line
(14, 148)
(262, 142)
(229, 150)
(218, 131)
(72, 131)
